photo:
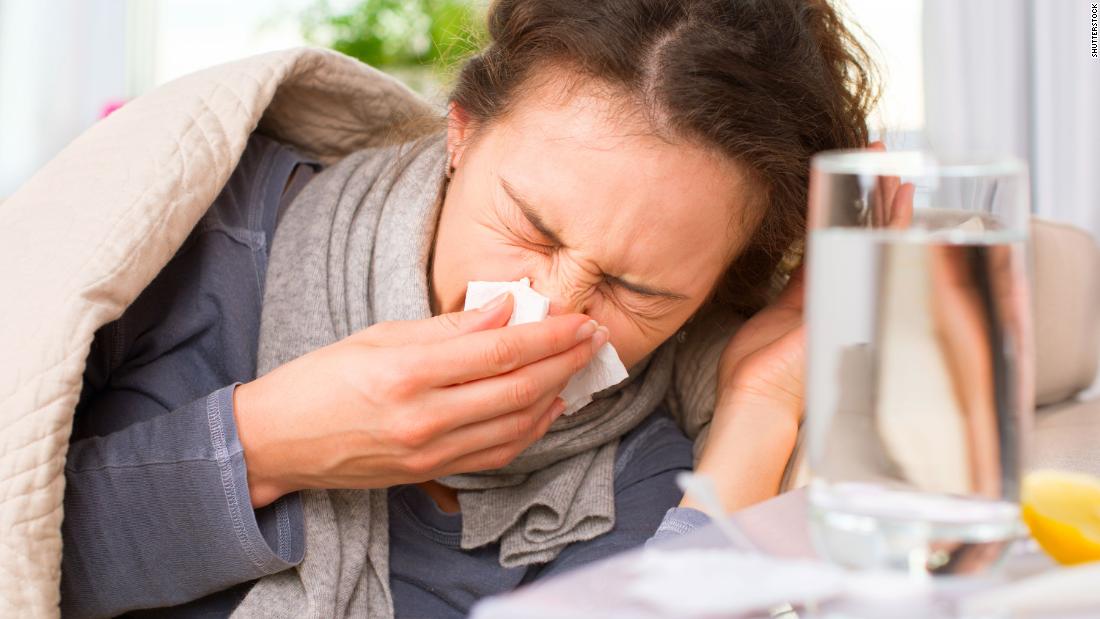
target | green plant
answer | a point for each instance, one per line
(399, 34)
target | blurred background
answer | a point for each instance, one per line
(1010, 76)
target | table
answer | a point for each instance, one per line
(776, 527)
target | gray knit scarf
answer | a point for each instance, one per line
(351, 251)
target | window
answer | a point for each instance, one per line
(895, 31)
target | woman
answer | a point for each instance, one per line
(641, 161)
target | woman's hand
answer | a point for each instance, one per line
(761, 388)
(759, 403)
(763, 363)
(407, 401)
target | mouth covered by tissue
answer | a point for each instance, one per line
(605, 369)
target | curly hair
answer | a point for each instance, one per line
(765, 82)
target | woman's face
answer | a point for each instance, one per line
(603, 217)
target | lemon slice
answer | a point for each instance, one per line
(1062, 509)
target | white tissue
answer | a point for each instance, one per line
(605, 369)
(529, 306)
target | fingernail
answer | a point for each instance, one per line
(586, 330)
(600, 337)
(496, 302)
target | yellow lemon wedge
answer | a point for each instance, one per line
(1062, 510)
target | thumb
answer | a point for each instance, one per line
(493, 314)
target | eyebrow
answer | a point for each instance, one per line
(532, 216)
(530, 213)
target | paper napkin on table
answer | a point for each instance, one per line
(605, 369)
(721, 582)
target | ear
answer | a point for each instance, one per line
(458, 132)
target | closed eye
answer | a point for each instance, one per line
(634, 303)
(522, 231)
(645, 291)
(528, 239)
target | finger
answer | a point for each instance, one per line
(498, 351)
(883, 195)
(524, 425)
(501, 455)
(493, 314)
(490, 397)
(885, 189)
(901, 210)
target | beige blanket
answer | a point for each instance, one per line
(89, 231)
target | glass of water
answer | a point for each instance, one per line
(920, 372)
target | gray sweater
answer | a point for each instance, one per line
(157, 509)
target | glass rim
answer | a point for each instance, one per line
(862, 161)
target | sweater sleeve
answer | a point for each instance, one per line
(678, 521)
(158, 513)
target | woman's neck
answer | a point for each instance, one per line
(446, 498)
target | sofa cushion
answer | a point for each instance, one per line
(1067, 310)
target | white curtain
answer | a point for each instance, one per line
(1017, 77)
(1066, 117)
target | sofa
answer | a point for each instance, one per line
(1067, 337)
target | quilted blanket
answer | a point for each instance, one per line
(83, 237)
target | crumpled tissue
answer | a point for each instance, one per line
(605, 369)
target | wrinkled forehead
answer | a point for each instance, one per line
(591, 169)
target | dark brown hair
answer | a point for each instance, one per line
(766, 82)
